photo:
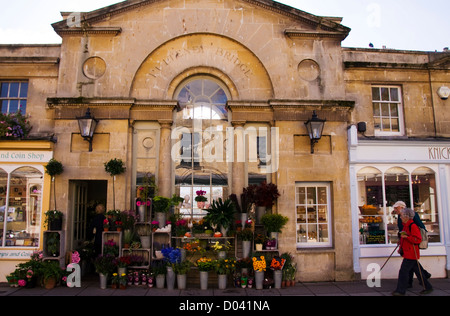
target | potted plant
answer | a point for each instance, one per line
(221, 213)
(104, 265)
(159, 269)
(181, 269)
(52, 244)
(260, 239)
(263, 196)
(259, 266)
(54, 168)
(51, 273)
(274, 223)
(224, 267)
(161, 206)
(114, 167)
(204, 265)
(53, 219)
(246, 236)
(200, 198)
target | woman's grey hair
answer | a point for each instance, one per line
(408, 212)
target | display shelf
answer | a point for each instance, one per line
(47, 253)
(114, 236)
(159, 239)
(145, 253)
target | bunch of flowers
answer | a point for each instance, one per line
(145, 203)
(200, 196)
(123, 261)
(14, 125)
(205, 264)
(171, 255)
(225, 266)
(118, 224)
(277, 263)
(76, 257)
(105, 223)
(181, 227)
(221, 246)
(155, 225)
(111, 248)
(259, 264)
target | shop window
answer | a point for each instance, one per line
(387, 111)
(378, 192)
(313, 213)
(13, 97)
(425, 201)
(199, 134)
(21, 206)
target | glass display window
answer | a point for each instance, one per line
(378, 191)
(20, 207)
(313, 214)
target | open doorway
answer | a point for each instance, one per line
(84, 196)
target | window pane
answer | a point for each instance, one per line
(4, 90)
(23, 89)
(425, 201)
(395, 125)
(376, 94)
(385, 109)
(394, 110)
(13, 106)
(386, 125)
(14, 90)
(394, 94)
(4, 106)
(23, 106)
(385, 94)
(376, 109)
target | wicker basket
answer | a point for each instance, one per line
(369, 211)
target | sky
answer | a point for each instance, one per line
(421, 25)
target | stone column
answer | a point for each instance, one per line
(165, 160)
(239, 154)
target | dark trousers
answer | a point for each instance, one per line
(407, 268)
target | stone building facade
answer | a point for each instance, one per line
(165, 76)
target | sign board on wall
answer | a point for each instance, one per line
(24, 254)
(25, 156)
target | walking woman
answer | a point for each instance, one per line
(410, 239)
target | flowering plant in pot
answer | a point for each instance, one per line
(205, 264)
(225, 266)
(53, 219)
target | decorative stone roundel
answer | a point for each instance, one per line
(94, 67)
(148, 143)
(308, 70)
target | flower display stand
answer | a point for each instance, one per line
(116, 236)
(61, 253)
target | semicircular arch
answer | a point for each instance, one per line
(222, 57)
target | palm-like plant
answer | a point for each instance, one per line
(221, 212)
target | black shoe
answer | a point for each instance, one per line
(424, 292)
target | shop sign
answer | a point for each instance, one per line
(25, 156)
(15, 254)
(439, 153)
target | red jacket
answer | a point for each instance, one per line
(411, 242)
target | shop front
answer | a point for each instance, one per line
(24, 199)
(384, 172)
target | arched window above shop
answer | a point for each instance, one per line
(200, 124)
(202, 98)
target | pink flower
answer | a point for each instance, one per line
(138, 203)
(22, 282)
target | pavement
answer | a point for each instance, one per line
(351, 288)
